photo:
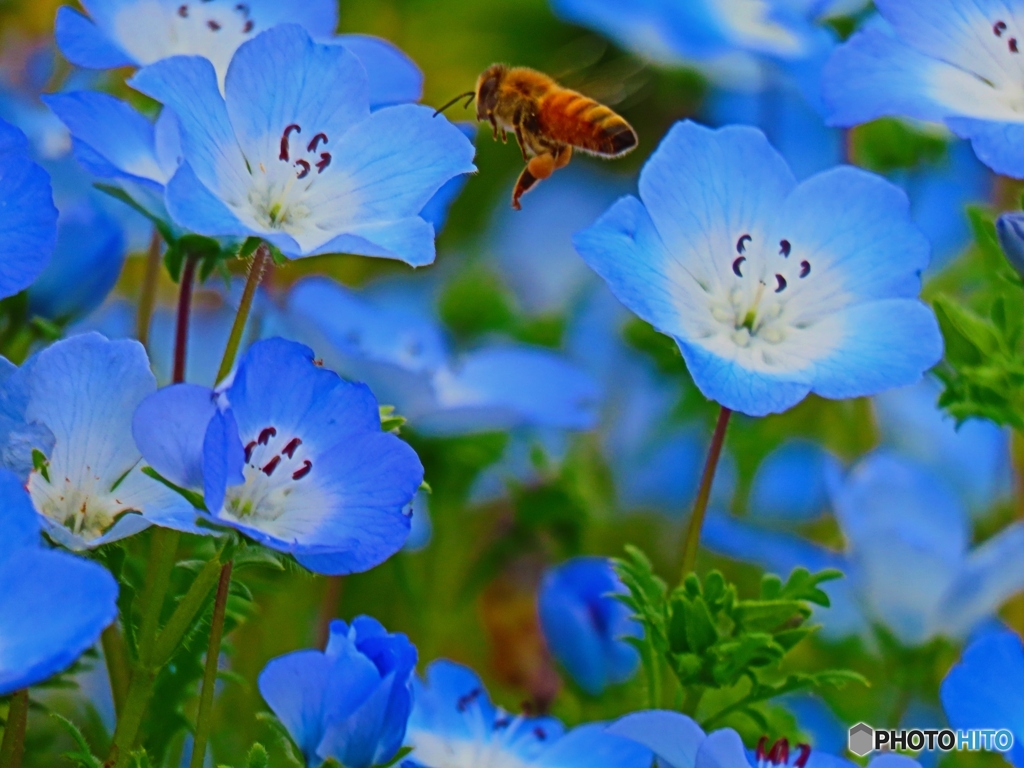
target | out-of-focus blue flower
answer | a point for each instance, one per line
(585, 626)
(941, 61)
(903, 526)
(1011, 237)
(289, 454)
(455, 725)
(292, 153)
(85, 265)
(678, 742)
(28, 229)
(792, 482)
(72, 403)
(772, 289)
(53, 606)
(119, 33)
(986, 688)
(973, 458)
(350, 702)
(533, 247)
(728, 39)
(388, 337)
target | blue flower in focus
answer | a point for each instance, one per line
(792, 482)
(986, 688)
(902, 525)
(289, 454)
(28, 229)
(389, 338)
(121, 33)
(772, 289)
(67, 427)
(455, 725)
(585, 626)
(350, 702)
(678, 742)
(948, 61)
(53, 606)
(292, 153)
(974, 457)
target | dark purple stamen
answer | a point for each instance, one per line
(999, 28)
(1013, 45)
(785, 248)
(316, 141)
(782, 283)
(540, 733)
(248, 26)
(213, 25)
(183, 11)
(284, 140)
(305, 168)
(289, 450)
(325, 160)
(805, 268)
(737, 264)
(248, 451)
(464, 701)
(741, 244)
(271, 465)
(501, 723)
(242, 8)
(762, 749)
(265, 435)
(780, 753)
(805, 755)
(305, 469)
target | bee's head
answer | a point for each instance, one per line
(487, 90)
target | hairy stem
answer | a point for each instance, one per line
(258, 267)
(185, 614)
(116, 656)
(150, 282)
(700, 507)
(12, 748)
(204, 719)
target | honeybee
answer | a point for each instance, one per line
(548, 121)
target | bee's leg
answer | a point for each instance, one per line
(504, 136)
(494, 126)
(522, 143)
(563, 156)
(539, 168)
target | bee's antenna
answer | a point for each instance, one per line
(470, 94)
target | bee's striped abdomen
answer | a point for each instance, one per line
(572, 118)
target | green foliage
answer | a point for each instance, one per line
(984, 366)
(888, 145)
(711, 638)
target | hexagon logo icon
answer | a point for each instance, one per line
(862, 739)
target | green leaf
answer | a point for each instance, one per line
(83, 757)
(255, 556)
(391, 421)
(258, 757)
(803, 585)
(191, 497)
(970, 340)
(400, 755)
(41, 464)
(699, 628)
(284, 739)
(768, 615)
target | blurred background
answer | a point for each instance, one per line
(551, 422)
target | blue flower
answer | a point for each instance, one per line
(455, 725)
(773, 290)
(946, 61)
(53, 606)
(292, 153)
(121, 33)
(289, 454)
(973, 457)
(986, 688)
(72, 404)
(585, 626)
(350, 702)
(903, 526)
(28, 230)
(678, 742)
(388, 337)
(792, 482)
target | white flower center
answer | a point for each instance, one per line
(276, 465)
(86, 508)
(490, 745)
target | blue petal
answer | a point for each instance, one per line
(722, 749)
(993, 573)
(282, 77)
(791, 482)
(394, 77)
(996, 144)
(875, 74)
(85, 44)
(590, 745)
(410, 239)
(86, 264)
(53, 607)
(188, 86)
(19, 524)
(894, 761)
(438, 698)
(169, 427)
(674, 738)
(19, 437)
(295, 687)
(986, 689)
(28, 229)
(197, 209)
(318, 17)
(223, 459)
